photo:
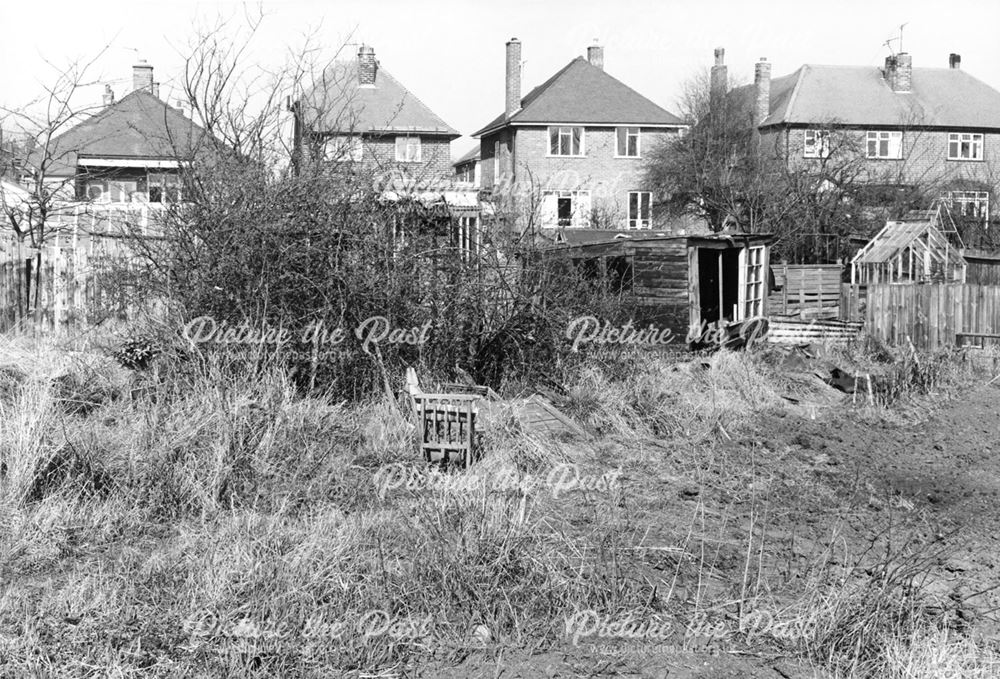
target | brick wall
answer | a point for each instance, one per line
(924, 162)
(435, 157)
(608, 178)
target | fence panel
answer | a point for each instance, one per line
(807, 290)
(929, 316)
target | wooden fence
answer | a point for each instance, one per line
(87, 250)
(983, 267)
(806, 290)
(79, 284)
(931, 316)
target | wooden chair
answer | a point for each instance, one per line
(446, 424)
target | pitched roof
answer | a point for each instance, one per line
(899, 235)
(473, 154)
(139, 126)
(860, 95)
(339, 103)
(583, 93)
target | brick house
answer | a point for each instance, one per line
(130, 151)
(574, 146)
(937, 128)
(359, 113)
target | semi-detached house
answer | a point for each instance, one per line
(576, 143)
(937, 128)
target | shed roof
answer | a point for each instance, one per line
(583, 93)
(586, 237)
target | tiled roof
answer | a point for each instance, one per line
(137, 126)
(860, 95)
(583, 93)
(338, 103)
(473, 154)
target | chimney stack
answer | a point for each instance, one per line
(595, 55)
(109, 95)
(142, 76)
(513, 95)
(367, 66)
(955, 61)
(719, 80)
(904, 72)
(762, 87)
(899, 72)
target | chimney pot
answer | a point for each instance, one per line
(720, 56)
(513, 93)
(142, 76)
(762, 85)
(109, 95)
(955, 61)
(367, 66)
(595, 55)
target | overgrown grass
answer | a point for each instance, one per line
(212, 521)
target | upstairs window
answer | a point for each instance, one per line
(816, 144)
(164, 188)
(639, 214)
(344, 148)
(628, 142)
(565, 141)
(408, 149)
(885, 144)
(962, 146)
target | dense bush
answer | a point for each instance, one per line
(323, 262)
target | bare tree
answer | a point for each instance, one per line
(32, 215)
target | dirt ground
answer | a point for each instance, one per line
(836, 486)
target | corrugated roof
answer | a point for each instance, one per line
(138, 126)
(338, 103)
(860, 95)
(583, 93)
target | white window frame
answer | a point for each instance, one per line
(890, 137)
(980, 200)
(579, 216)
(566, 132)
(753, 277)
(974, 140)
(344, 148)
(815, 143)
(169, 185)
(628, 134)
(637, 222)
(409, 142)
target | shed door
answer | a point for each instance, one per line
(753, 271)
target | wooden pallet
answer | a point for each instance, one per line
(446, 424)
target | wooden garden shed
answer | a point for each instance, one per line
(686, 283)
(913, 250)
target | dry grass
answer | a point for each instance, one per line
(211, 522)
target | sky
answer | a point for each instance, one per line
(450, 54)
